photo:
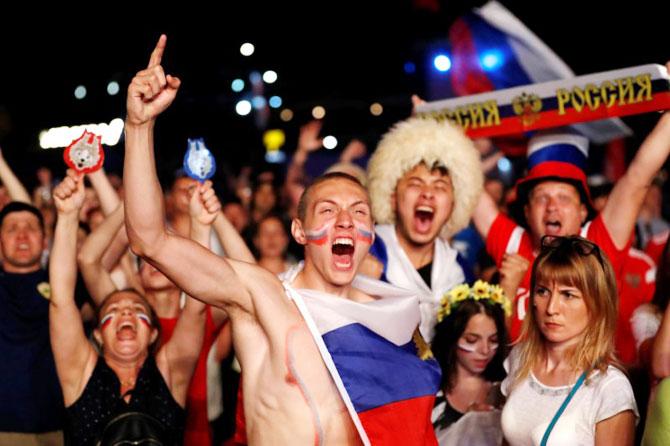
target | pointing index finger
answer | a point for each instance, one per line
(157, 53)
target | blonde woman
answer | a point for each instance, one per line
(563, 385)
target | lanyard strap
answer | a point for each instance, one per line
(561, 409)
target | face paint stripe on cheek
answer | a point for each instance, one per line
(364, 236)
(106, 320)
(145, 318)
(318, 236)
(467, 347)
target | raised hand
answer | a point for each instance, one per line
(354, 150)
(204, 205)
(309, 140)
(69, 195)
(151, 91)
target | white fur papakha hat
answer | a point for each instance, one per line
(417, 140)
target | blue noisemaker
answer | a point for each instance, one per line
(199, 163)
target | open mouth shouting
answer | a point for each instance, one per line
(343, 252)
(423, 218)
(552, 227)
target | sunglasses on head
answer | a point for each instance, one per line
(580, 245)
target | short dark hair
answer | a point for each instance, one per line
(302, 204)
(19, 206)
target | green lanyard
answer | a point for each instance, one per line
(561, 409)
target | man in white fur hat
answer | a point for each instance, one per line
(424, 180)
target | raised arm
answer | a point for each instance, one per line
(232, 242)
(623, 206)
(72, 352)
(96, 276)
(485, 214)
(16, 190)
(193, 268)
(182, 351)
(109, 199)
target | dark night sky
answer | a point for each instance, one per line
(343, 55)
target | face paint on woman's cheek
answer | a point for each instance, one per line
(318, 236)
(145, 318)
(106, 320)
(470, 348)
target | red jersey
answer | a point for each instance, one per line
(506, 237)
(197, 424)
(637, 287)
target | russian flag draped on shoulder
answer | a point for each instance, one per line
(493, 51)
(384, 371)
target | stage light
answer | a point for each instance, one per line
(270, 77)
(237, 85)
(330, 142)
(318, 112)
(243, 107)
(442, 63)
(113, 88)
(275, 102)
(376, 109)
(491, 60)
(286, 115)
(247, 49)
(80, 92)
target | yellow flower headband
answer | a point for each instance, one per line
(479, 291)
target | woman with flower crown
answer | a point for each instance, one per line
(470, 345)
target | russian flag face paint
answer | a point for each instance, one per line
(363, 235)
(106, 320)
(318, 236)
(145, 319)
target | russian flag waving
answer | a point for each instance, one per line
(491, 49)
(384, 371)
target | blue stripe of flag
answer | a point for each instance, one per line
(375, 371)
(558, 152)
(487, 38)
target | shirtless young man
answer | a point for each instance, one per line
(289, 395)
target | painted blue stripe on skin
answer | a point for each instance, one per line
(375, 371)
(488, 38)
(566, 153)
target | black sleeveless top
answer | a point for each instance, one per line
(101, 402)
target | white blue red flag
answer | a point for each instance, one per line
(491, 49)
(380, 364)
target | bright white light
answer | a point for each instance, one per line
(442, 63)
(237, 85)
(258, 102)
(330, 142)
(491, 60)
(62, 136)
(247, 49)
(113, 88)
(318, 112)
(269, 77)
(243, 107)
(80, 92)
(504, 165)
(275, 102)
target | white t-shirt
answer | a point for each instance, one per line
(531, 406)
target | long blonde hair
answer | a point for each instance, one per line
(576, 262)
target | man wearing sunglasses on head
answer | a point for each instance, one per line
(553, 199)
